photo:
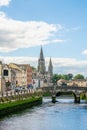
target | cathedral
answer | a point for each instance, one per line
(42, 73)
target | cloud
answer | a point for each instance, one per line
(84, 52)
(4, 2)
(69, 65)
(58, 40)
(33, 61)
(16, 34)
(60, 65)
(72, 29)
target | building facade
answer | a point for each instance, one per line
(26, 74)
(23, 74)
(16, 74)
(13, 75)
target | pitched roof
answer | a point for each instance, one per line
(14, 66)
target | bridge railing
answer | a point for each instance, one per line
(13, 96)
(64, 87)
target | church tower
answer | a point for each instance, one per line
(41, 63)
(50, 68)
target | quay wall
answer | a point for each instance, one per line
(15, 106)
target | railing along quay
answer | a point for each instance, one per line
(9, 96)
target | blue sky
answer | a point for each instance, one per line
(60, 26)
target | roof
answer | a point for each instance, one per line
(14, 66)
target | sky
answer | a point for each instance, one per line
(59, 26)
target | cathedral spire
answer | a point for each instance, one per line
(41, 63)
(41, 54)
(50, 67)
(50, 62)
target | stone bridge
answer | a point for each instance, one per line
(54, 90)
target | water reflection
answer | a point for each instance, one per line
(64, 115)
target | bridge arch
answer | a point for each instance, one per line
(60, 93)
(76, 96)
(54, 90)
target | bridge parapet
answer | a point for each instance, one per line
(65, 88)
(75, 90)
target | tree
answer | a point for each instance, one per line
(60, 76)
(78, 76)
(54, 79)
(33, 68)
(70, 75)
(65, 76)
(57, 77)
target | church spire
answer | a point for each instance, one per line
(41, 63)
(50, 62)
(50, 67)
(41, 54)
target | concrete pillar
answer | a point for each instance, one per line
(77, 99)
(53, 98)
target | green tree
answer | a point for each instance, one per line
(57, 77)
(54, 79)
(33, 68)
(60, 77)
(65, 76)
(78, 76)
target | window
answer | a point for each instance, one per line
(5, 72)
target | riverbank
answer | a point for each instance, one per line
(59, 116)
(17, 106)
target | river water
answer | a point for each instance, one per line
(63, 115)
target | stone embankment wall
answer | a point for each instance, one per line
(10, 104)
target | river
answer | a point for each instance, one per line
(63, 115)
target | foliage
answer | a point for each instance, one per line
(65, 76)
(19, 102)
(78, 76)
(46, 94)
(33, 68)
(69, 76)
(17, 106)
(57, 77)
(83, 96)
